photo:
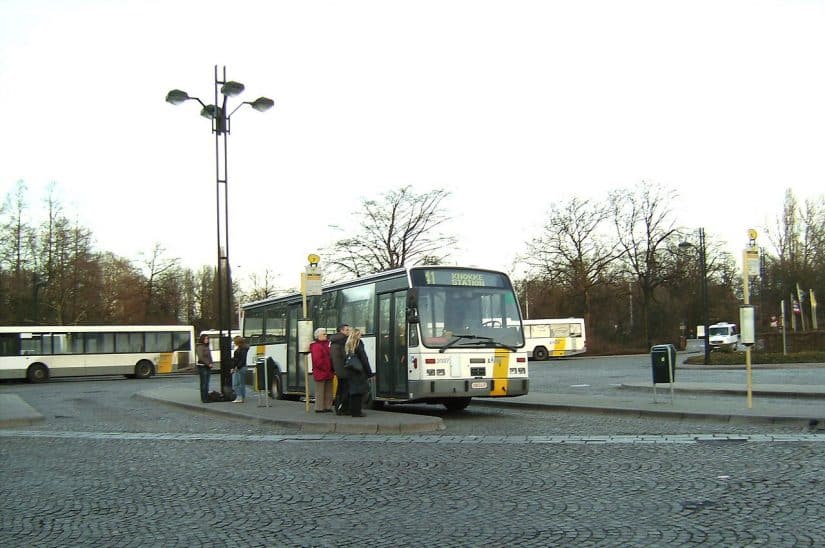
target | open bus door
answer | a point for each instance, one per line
(391, 346)
(296, 362)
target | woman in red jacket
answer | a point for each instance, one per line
(322, 371)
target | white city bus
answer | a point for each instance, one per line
(554, 338)
(433, 334)
(38, 353)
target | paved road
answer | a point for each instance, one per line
(106, 468)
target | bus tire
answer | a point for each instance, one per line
(457, 404)
(37, 372)
(144, 369)
(540, 353)
(278, 387)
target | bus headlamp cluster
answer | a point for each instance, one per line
(436, 372)
(518, 370)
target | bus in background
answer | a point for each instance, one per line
(38, 353)
(554, 338)
(433, 334)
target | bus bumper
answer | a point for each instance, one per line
(470, 388)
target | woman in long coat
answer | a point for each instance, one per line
(358, 385)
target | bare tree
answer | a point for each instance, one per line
(645, 227)
(797, 239)
(157, 269)
(401, 227)
(571, 251)
(263, 287)
(16, 255)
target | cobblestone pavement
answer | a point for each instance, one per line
(108, 469)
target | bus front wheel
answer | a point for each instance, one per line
(540, 353)
(37, 372)
(143, 370)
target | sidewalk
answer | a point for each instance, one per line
(803, 404)
(294, 414)
(770, 403)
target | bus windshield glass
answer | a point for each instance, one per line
(467, 309)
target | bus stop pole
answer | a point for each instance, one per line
(306, 356)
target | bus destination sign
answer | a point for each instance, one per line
(457, 277)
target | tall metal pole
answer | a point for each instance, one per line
(703, 268)
(220, 127)
(224, 279)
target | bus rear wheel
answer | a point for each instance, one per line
(143, 369)
(37, 372)
(278, 387)
(457, 404)
(540, 353)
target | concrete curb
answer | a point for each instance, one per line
(16, 412)
(291, 415)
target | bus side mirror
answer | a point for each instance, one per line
(412, 306)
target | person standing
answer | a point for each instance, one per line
(357, 381)
(322, 371)
(204, 365)
(239, 369)
(337, 355)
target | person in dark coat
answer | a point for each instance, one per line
(204, 355)
(357, 380)
(337, 355)
(239, 369)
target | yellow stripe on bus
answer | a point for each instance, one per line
(501, 367)
(165, 363)
(560, 348)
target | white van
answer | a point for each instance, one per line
(723, 336)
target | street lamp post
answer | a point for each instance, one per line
(703, 273)
(221, 128)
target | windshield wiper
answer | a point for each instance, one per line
(460, 337)
(477, 340)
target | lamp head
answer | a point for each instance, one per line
(210, 111)
(177, 96)
(262, 104)
(232, 88)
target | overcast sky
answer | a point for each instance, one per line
(511, 105)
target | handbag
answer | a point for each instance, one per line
(353, 363)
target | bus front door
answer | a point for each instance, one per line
(391, 346)
(296, 362)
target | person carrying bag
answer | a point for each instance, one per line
(357, 365)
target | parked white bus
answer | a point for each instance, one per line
(554, 338)
(433, 334)
(38, 353)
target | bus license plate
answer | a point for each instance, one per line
(479, 385)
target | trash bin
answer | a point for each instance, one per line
(264, 379)
(663, 361)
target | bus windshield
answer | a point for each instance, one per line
(469, 317)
